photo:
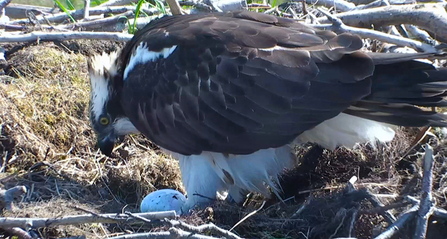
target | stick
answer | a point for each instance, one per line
(175, 7)
(171, 234)
(16, 11)
(430, 16)
(420, 34)
(86, 9)
(109, 24)
(19, 233)
(198, 5)
(337, 4)
(396, 226)
(117, 3)
(246, 217)
(63, 36)
(77, 14)
(81, 219)
(210, 227)
(426, 204)
(3, 4)
(338, 25)
(439, 212)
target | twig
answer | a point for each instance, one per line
(63, 36)
(80, 219)
(396, 226)
(390, 218)
(259, 5)
(385, 208)
(427, 203)
(430, 16)
(352, 224)
(7, 196)
(339, 26)
(210, 227)
(248, 215)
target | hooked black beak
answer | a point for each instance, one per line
(107, 143)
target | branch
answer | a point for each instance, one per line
(337, 4)
(86, 9)
(108, 24)
(78, 14)
(172, 233)
(81, 219)
(427, 204)
(63, 36)
(430, 16)
(399, 224)
(117, 3)
(420, 34)
(18, 232)
(3, 4)
(339, 26)
(175, 7)
(196, 4)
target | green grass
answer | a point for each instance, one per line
(75, 4)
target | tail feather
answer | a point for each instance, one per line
(399, 92)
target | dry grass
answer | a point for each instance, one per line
(47, 145)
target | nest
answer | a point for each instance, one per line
(47, 145)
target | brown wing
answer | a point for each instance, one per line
(239, 82)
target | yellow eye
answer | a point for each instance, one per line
(104, 120)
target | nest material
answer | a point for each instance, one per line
(46, 144)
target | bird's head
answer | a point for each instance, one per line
(106, 113)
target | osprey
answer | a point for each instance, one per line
(229, 94)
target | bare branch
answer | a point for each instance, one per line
(63, 36)
(175, 7)
(427, 204)
(86, 9)
(18, 232)
(430, 16)
(117, 3)
(78, 14)
(340, 5)
(80, 219)
(172, 233)
(110, 24)
(198, 5)
(16, 11)
(398, 225)
(339, 26)
(420, 34)
(3, 4)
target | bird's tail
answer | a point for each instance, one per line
(404, 92)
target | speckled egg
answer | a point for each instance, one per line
(163, 200)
